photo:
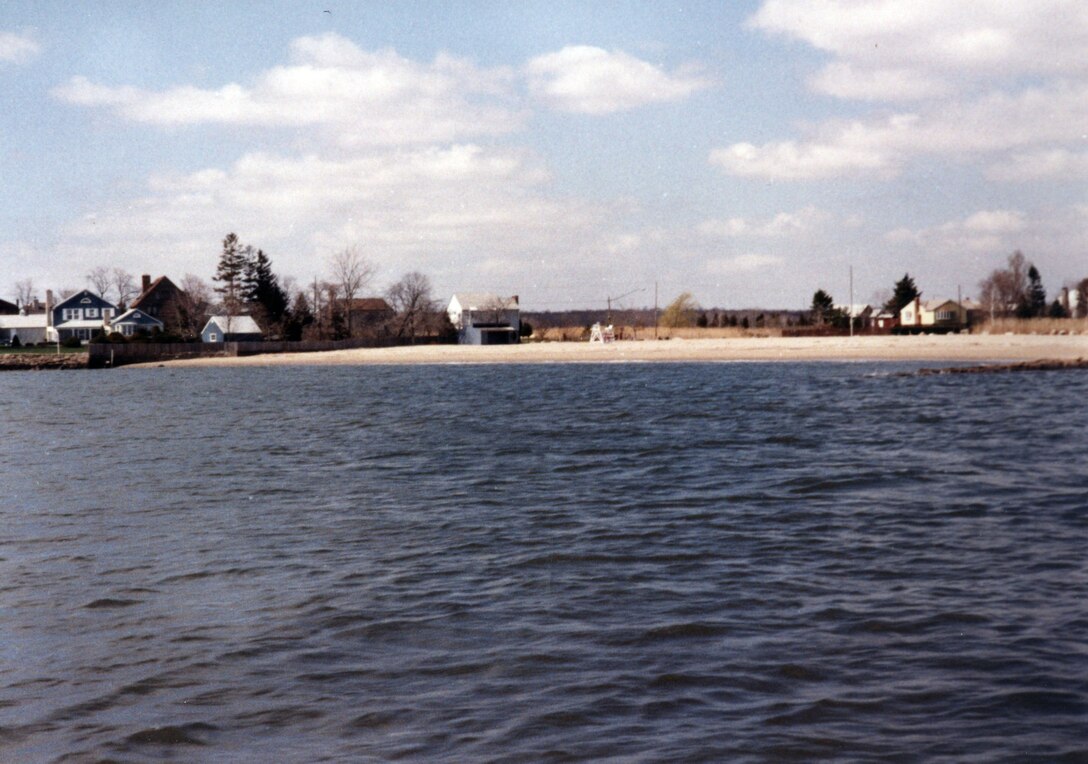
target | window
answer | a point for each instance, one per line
(85, 301)
(92, 312)
(213, 337)
(72, 314)
(946, 315)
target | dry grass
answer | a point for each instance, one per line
(1034, 326)
(581, 334)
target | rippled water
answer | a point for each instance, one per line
(543, 563)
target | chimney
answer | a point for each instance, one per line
(48, 307)
(146, 283)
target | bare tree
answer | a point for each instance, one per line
(124, 286)
(194, 304)
(352, 272)
(101, 280)
(411, 299)
(1005, 288)
(24, 292)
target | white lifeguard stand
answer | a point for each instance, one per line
(597, 333)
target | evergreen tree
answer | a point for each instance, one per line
(905, 292)
(1033, 302)
(823, 305)
(1057, 310)
(229, 274)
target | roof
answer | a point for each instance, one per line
(375, 304)
(238, 324)
(78, 298)
(484, 301)
(33, 321)
(854, 311)
(161, 281)
(932, 305)
(135, 316)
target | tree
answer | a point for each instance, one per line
(411, 299)
(1057, 310)
(823, 307)
(1082, 298)
(101, 281)
(24, 292)
(352, 273)
(1004, 290)
(904, 293)
(231, 268)
(124, 286)
(299, 318)
(262, 291)
(193, 305)
(681, 312)
(1033, 301)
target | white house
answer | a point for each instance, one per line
(485, 319)
(28, 330)
(935, 313)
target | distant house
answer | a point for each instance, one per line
(161, 299)
(883, 320)
(28, 330)
(231, 329)
(933, 313)
(370, 311)
(860, 313)
(81, 316)
(133, 321)
(485, 319)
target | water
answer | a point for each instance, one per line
(705, 562)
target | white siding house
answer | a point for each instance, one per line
(485, 319)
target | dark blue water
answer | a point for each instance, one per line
(705, 562)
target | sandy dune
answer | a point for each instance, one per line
(937, 348)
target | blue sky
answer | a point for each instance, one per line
(564, 152)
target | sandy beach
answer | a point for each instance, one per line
(935, 348)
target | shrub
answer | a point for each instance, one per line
(72, 342)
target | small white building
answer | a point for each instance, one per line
(28, 330)
(485, 319)
(935, 313)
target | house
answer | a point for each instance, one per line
(231, 329)
(485, 319)
(860, 313)
(161, 299)
(28, 330)
(134, 321)
(370, 311)
(883, 320)
(8, 308)
(80, 316)
(933, 313)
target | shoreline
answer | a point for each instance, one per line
(951, 348)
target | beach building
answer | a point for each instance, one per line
(883, 320)
(80, 316)
(231, 329)
(947, 314)
(133, 321)
(485, 319)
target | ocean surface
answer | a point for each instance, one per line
(636, 562)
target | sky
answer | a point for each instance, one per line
(749, 153)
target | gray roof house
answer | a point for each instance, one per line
(485, 319)
(231, 329)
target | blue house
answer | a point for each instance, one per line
(133, 321)
(82, 315)
(231, 329)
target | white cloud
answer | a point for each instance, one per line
(17, 48)
(982, 231)
(783, 224)
(1043, 164)
(928, 47)
(590, 80)
(441, 210)
(743, 263)
(362, 98)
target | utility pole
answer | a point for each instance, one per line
(655, 310)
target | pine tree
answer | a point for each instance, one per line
(823, 305)
(1033, 304)
(905, 292)
(232, 266)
